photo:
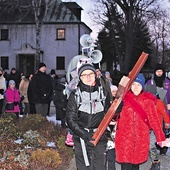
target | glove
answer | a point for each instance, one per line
(87, 137)
(2, 91)
(16, 103)
(22, 98)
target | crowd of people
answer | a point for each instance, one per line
(31, 93)
(145, 109)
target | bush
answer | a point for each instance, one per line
(48, 159)
(34, 139)
(34, 131)
(8, 128)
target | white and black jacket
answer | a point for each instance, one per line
(89, 111)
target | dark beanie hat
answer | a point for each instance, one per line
(52, 72)
(86, 67)
(140, 79)
(159, 67)
(41, 65)
(96, 66)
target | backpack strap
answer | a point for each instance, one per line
(101, 98)
(78, 96)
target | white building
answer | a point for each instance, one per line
(59, 37)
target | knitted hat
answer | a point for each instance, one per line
(159, 67)
(140, 79)
(86, 67)
(11, 82)
(96, 66)
(113, 87)
(152, 89)
(63, 80)
(41, 65)
(107, 73)
(52, 72)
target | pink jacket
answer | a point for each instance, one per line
(13, 96)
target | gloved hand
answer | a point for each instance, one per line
(16, 103)
(22, 98)
(2, 91)
(87, 137)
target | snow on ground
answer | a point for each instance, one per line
(51, 118)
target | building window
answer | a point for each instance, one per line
(61, 34)
(5, 62)
(60, 63)
(4, 34)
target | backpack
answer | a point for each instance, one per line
(101, 98)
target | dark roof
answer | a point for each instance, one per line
(11, 12)
(72, 5)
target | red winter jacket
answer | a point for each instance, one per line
(132, 136)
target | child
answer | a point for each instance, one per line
(108, 78)
(162, 113)
(12, 98)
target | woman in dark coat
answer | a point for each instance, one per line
(60, 101)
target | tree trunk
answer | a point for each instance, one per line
(129, 41)
(37, 6)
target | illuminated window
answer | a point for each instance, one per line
(4, 34)
(61, 34)
(60, 63)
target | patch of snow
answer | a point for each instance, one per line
(53, 119)
(19, 141)
(51, 144)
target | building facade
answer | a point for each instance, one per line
(59, 37)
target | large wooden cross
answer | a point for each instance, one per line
(123, 87)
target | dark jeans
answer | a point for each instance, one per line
(32, 108)
(96, 156)
(1, 106)
(41, 108)
(110, 156)
(128, 166)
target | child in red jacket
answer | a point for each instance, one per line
(162, 114)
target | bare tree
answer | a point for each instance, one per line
(24, 8)
(161, 35)
(131, 10)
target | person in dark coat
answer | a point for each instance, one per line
(105, 84)
(54, 80)
(14, 76)
(160, 81)
(60, 101)
(30, 97)
(41, 88)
